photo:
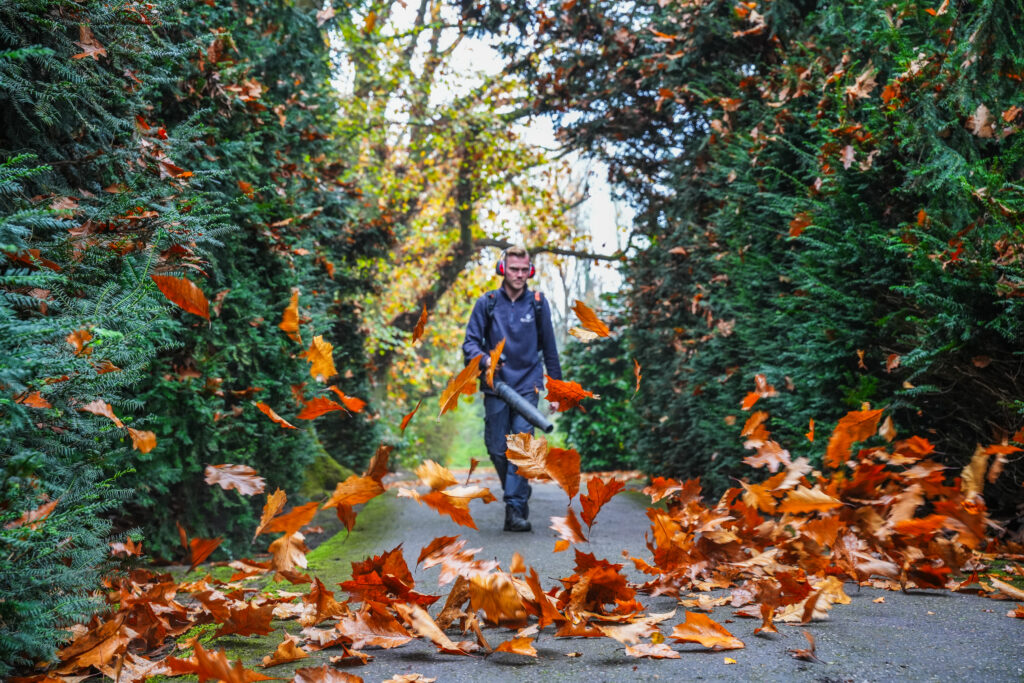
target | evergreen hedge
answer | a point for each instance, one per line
(188, 139)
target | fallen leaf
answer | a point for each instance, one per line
(807, 654)
(518, 646)
(288, 650)
(200, 549)
(104, 409)
(700, 628)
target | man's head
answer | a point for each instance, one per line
(516, 268)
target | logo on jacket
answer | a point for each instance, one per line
(528, 318)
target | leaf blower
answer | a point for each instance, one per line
(523, 407)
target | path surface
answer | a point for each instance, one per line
(924, 635)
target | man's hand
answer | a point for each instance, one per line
(554, 405)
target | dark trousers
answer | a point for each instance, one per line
(499, 422)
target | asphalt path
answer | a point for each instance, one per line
(919, 635)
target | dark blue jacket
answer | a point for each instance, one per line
(526, 340)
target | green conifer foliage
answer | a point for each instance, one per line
(176, 139)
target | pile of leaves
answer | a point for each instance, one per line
(882, 515)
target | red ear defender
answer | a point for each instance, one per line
(499, 267)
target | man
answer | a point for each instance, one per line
(523, 319)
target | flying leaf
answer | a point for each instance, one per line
(566, 394)
(290, 319)
(104, 409)
(437, 477)
(421, 324)
(408, 416)
(700, 628)
(636, 373)
(568, 528)
(269, 412)
(275, 503)
(288, 552)
(378, 467)
(494, 359)
(808, 653)
(294, 519)
(183, 293)
(589, 319)
(563, 465)
(598, 493)
(854, 426)
(288, 650)
(457, 509)
(35, 517)
(351, 403)
(319, 354)
(142, 440)
(320, 405)
(529, 454)
(242, 478)
(803, 499)
(496, 595)
(462, 383)
(354, 490)
(200, 549)
(585, 336)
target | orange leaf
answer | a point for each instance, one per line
(250, 620)
(497, 597)
(636, 373)
(324, 674)
(518, 646)
(456, 508)
(79, 339)
(421, 324)
(242, 478)
(33, 518)
(463, 383)
(854, 426)
(183, 293)
(378, 466)
(437, 477)
(799, 222)
(589, 319)
(290, 319)
(319, 354)
(288, 552)
(369, 627)
(34, 400)
(803, 499)
(810, 432)
(566, 394)
(598, 493)
(422, 623)
(268, 411)
(90, 46)
(315, 407)
(99, 407)
(529, 454)
(246, 189)
(568, 527)
(408, 416)
(351, 403)
(214, 666)
(354, 490)
(275, 503)
(200, 549)
(294, 519)
(142, 440)
(563, 465)
(288, 650)
(700, 628)
(495, 358)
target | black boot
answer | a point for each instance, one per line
(514, 521)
